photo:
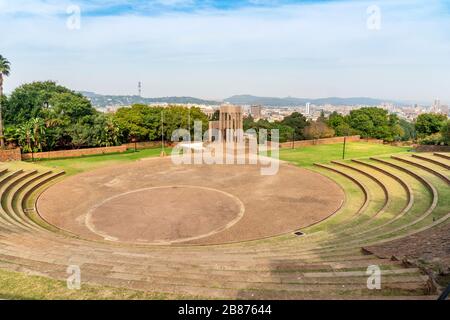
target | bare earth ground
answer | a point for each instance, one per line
(157, 202)
(165, 214)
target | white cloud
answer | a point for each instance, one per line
(36, 7)
(300, 50)
(175, 2)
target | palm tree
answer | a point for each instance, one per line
(25, 136)
(4, 71)
(38, 126)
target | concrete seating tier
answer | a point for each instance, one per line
(386, 199)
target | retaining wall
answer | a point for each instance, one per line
(306, 143)
(10, 155)
(147, 145)
(73, 153)
(426, 148)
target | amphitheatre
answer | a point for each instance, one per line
(225, 231)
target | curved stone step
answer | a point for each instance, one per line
(14, 194)
(283, 267)
(359, 184)
(423, 167)
(406, 279)
(5, 191)
(351, 208)
(396, 216)
(360, 242)
(22, 210)
(377, 181)
(442, 155)
(439, 163)
(360, 229)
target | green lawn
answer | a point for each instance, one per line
(77, 165)
(304, 156)
(307, 156)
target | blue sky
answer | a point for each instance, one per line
(214, 49)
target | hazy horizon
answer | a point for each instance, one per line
(397, 50)
(424, 103)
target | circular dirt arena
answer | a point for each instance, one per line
(158, 203)
(165, 214)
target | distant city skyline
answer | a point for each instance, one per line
(395, 50)
(251, 100)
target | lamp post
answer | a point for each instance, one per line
(343, 150)
(293, 139)
(189, 124)
(134, 140)
(163, 152)
(345, 144)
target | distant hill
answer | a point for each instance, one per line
(290, 101)
(102, 101)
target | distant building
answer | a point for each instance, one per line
(308, 108)
(444, 109)
(256, 112)
(436, 107)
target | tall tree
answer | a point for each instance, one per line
(298, 122)
(318, 130)
(372, 122)
(429, 123)
(445, 132)
(409, 130)
(4, 71)
(25, 136)
(38, 127)
(36, 99)
(340, 125)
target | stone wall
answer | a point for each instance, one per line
(302, 143)
(147, 145)
(403, 144)
(73, 153)
(428, 250)
(10, 155)
(425, 148)
(373, 140)
(306, 143)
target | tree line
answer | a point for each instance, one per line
(368, 122)
(44, 116)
